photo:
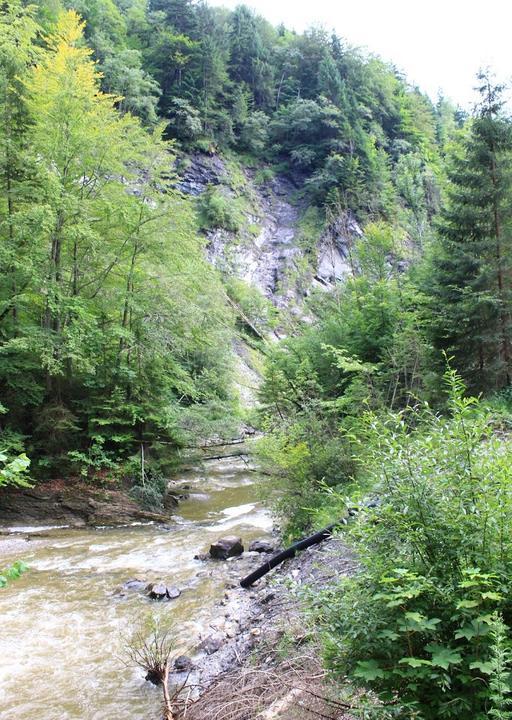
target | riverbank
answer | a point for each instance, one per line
(75, 504)
(267, 663)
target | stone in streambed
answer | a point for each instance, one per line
(134, 584)
(157, 591)
(226, 547)
(160, 591)
(212, 643)
(261, 546)
(202, 556)
(183, 664)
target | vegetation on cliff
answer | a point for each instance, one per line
(116, 334)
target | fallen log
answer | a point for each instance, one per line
(318, 537)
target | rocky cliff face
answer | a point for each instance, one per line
(272, 256)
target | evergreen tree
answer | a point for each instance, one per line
(329, 80)
(471, 275)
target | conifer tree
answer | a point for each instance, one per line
(471, 281)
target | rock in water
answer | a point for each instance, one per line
(157, 591)
(226, 547)
(134, 584)
(261, 546)
(154, 677)
(173, 592)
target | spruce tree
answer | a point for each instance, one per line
(470, 286)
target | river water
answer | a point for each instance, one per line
(64, 624)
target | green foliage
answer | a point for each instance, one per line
(252, 305)
(14, 471)
(468, 280)
(219, 211)
(105, 291)
(500, 665)
(305, 464)
(13, 572)
(419, 620)
(149, 489)
(366, 350)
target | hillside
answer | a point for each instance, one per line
(212, 228)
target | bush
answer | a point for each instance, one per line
(254, 133)
(419, 622)
(306, 464)
(150, 491)
(218, 211)
(253, 304)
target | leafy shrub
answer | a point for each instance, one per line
(254, 133)
(305, 465)
(13, 572)
(184, 120)
(419, 621)
(150, 490)
(95, 459)
(253, 304)
(264, 175)
(13, 471)
(218, 211)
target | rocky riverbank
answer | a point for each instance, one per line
(259, 654)
(75, 504)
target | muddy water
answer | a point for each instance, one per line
(63, 627)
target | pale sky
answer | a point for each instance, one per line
(439, 44)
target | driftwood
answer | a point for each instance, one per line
(221, 457)
(318, 537)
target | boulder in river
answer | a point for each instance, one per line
(134, 584)
(160, 591)
(173, 592)
(226, 547)
(261, 546)
(170, 501)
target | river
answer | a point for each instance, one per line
(65, 624)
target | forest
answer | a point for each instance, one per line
(388, 391)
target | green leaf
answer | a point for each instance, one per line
(463, 604)
(369, 670)
(485, 667)
(443, 656)
(414, 662)
(492, 596)
(387, 635)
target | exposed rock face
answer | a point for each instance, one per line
(272, 260)
(261, 546)
(201, 171)
(333, 251)
(72, 504)
(226, 547)
(267, 260)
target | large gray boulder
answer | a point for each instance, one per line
(226, 547)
